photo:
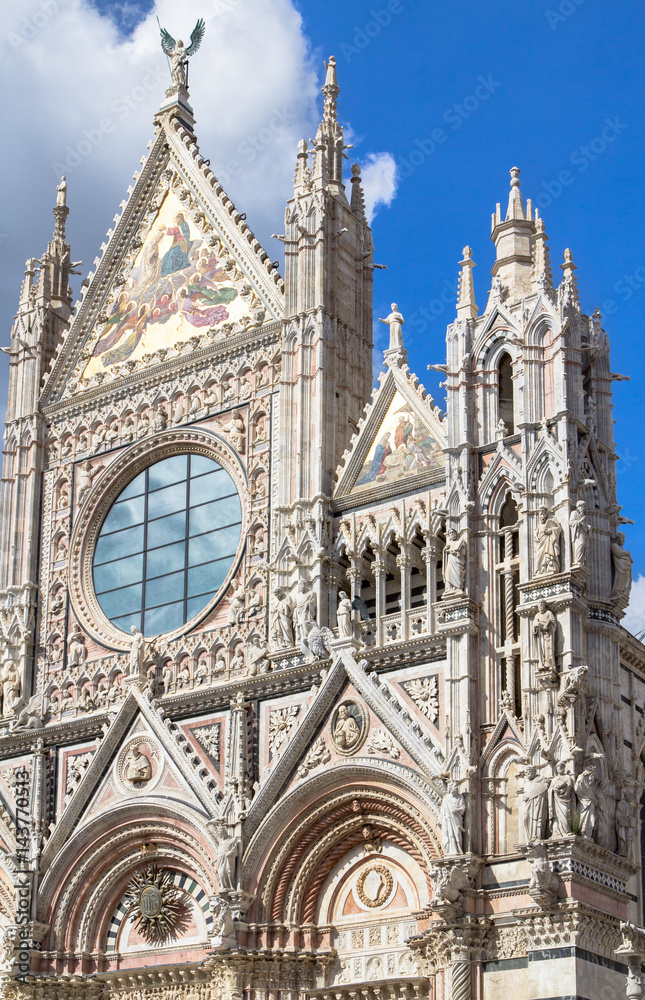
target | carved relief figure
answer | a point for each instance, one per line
(625, 823)
(347, 733)
(547, 544)
(579, 533)
(544, 626)
(138, 769)
(10, 686)
(453, 808)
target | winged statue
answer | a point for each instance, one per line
(179, 54)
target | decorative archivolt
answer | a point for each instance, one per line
(78, 904)
(503, 473)
(545, 460)
(286, 868)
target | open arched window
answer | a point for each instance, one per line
(505, 393)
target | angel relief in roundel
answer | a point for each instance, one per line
(348, 728)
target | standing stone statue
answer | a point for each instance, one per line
(304, 601)
(453, 807)
(282, 620)
(179, 54)
(544, 626)
(625, 823)
(137, 652)
(587, 792)
(534, 802)
(61, 193)
(547, 544)
(561, 801)
(454, 562)
(579, 533)
(344, 615)
(227, 850)
(75, 647)
(622, 569)
(395, 321)
(10, 677)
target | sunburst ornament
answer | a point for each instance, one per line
(155, 902)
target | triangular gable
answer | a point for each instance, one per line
(400, 442)
(179, 264)
(111, 778)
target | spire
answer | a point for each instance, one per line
(466, 305)
(542, 274)
(328, 144)
(512, 238)
(569, 288)
(55, 264)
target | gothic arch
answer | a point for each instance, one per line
(287, 868)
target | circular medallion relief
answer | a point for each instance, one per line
(374, 886)
(139, 764)
(150, 901)
(348, 727)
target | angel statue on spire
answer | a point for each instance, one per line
(179, 54)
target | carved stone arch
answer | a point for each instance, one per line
(490, 482)
(500, 494)
(501, 777)
(490, 352)
(539, 329)
(83, 884)
(367, 537)
(286, 867)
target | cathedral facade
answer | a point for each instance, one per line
(309, 690)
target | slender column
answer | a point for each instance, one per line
(508, 614)
(403, 565)
(379, 570)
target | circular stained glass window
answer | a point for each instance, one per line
(167, 544)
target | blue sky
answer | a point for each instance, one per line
(533, 84)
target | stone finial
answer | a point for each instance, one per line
(358, 198)
(515, 208)
(542, 274)
(331, 91)
(466, 305)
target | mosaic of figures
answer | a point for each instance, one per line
(402, 447)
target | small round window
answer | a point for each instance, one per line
(167, 544)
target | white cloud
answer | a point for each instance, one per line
(634, 619)
(380, 181)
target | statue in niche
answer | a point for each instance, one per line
(622, 561)
(454, 562)
(544, 626)
(76, 651)
(587, 788)
(257, 657)
(167, 676)
(561, 801)
(282, 619)
(237, 432)
(11, 686)
(304, 601)
(139, 768)
(453, 808)
(227, 851)
(236, 607)
(84, 478)
(625, 823)
(547, 544)
(534, 804)
(579, 533)
(344, 615)
(395, 322)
